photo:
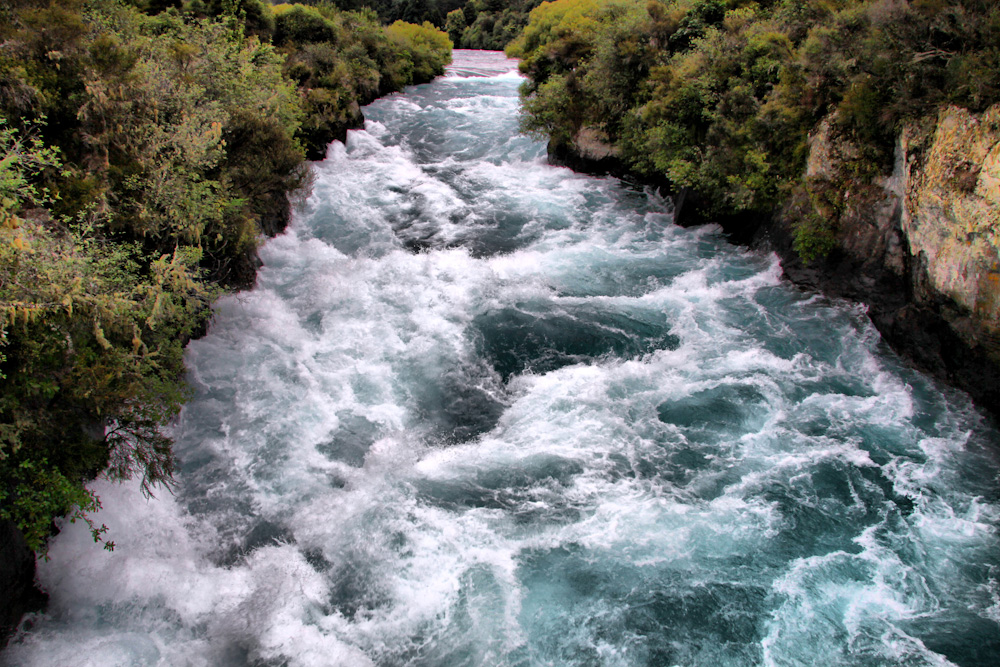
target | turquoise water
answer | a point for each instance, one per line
(484, 411)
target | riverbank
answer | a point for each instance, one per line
(858, 141)
(145, 154)
(875, 265)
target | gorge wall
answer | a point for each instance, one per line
(921, 247)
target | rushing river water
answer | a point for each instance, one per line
(484, 411)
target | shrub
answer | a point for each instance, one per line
(454, 25)
(173, 138)
(814, 237)
(300, 24)
(106, 251)
(428, 48)
(548, 113)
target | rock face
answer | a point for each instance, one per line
(952, 215)
(921, 247)
(590, 152)
(17, 574)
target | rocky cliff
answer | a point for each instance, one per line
(588, 151)
(951, 217)
(920, 247)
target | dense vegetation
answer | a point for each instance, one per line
(488, 24)
(470, 24)
(143, 153)
(719, 96)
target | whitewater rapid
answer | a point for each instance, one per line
(480, 410)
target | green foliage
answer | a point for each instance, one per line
(34, 492)
(454, 25)
(92, 355)
(346, 59)
(428, 48)
(410, 11)
(720, 95)
(144, 150)
(547, 113)
(707, 123)
(255, 17)
(814, 236)
(300, 24)
(617, 68)
(818, 205)
(493, 25)
(21, 156)
(561, 35)
(93, 365)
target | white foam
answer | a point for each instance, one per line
(322, 519)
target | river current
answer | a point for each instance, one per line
(483, 411)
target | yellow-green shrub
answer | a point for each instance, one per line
(428, 48)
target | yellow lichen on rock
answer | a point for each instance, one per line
(952, 219)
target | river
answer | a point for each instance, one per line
(483, 411)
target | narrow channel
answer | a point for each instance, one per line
(483, 411)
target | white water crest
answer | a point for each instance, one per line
(480, 410)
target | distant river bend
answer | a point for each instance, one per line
(482, 411)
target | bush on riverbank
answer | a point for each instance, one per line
(341, 60)
(719, 96)
(488, 24)
(143, 153)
